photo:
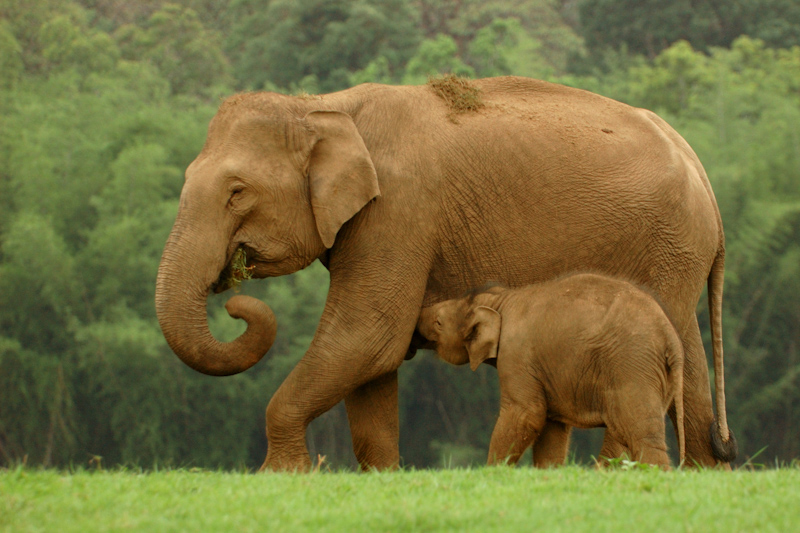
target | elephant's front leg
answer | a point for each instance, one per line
(523, 413)
(516, 429)
(372, 411)
(362, 339)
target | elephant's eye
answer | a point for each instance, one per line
(234, 194)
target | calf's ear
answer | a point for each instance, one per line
(342, 178)
(481, 334)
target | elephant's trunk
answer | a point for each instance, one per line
(181, 295)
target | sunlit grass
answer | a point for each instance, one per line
(483, 499)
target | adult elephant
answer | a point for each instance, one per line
(412, 195)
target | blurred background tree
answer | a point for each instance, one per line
(650, 26)
(317, 43)
(103, 104)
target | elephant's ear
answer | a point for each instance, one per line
(342, 178)
(481, 335)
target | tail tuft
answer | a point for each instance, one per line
(724, 450)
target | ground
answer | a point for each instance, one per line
(484, 499)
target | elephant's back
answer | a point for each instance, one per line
(583, 314)
(539, 180)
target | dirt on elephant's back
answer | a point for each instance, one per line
(460, 94)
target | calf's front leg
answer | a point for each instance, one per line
(514, 432)
(523, 414)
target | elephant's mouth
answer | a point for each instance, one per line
(418, 342)
(239, 268)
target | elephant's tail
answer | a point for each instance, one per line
(723, 443)
(675, 358)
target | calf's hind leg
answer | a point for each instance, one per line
(612, 449)
(642, 431)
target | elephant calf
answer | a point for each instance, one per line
(584, 350)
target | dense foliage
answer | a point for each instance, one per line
(103, 103)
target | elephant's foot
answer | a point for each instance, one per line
(374, 458)
(281, 461)
(612, 449)
(286, 448)
(286, 438)
(378, 452)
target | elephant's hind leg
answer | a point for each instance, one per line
(650, 450)
(696, 399)
(635, 419)
(642, 432)
(612, 449)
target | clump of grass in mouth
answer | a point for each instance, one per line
(237, 270)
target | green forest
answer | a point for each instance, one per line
(104, 103)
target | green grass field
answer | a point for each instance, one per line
(483, 499)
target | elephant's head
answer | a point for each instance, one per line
(444, 325)
(461, 331)
(274, 180)
(441, 325)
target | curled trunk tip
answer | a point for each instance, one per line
(202, 352)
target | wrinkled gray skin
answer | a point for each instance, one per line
(580, 351)
(409, 203)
